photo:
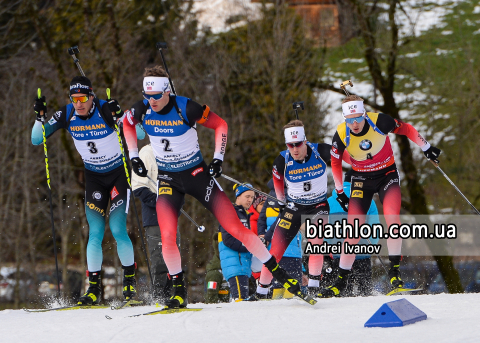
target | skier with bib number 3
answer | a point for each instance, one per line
(364, 138)
(91, 124)
(171, 124)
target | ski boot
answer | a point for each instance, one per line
(179, 297)
(282, 277)
(313, 284)
(129, 282)
(338, 286)
(394, 272)
(94, 291)
(262, 293)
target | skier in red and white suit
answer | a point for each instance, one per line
(171, 124)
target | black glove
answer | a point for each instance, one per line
(215, 168)
(39, 106)
(114, 107)
(138, 167)
(343, 200)
(432, 153)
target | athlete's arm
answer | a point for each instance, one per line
(203, 116)
(337, 152)
(278, 178)
(58, 121)
(387, 124)
(132, 118)
(324, 151)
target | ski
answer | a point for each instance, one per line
(66, 308)
(306, 298)
(165, 310)
(403, 290)
(127, 303)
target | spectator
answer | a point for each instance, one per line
(255, 210)
(235, 259)
(216, 287)
(292, 258)
(145, 188)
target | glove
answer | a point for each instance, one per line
(138, 167)
(343, 200)
(39, 106)
(114, 107)
(215, 168)
(432, 153)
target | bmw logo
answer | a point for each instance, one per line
(97, 195)
(365, 144)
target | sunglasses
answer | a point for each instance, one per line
(355, 120)
(152, 97)
(75, 99)
(295, 145)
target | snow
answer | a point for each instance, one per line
(450, 317)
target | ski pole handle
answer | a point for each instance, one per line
(39, 95)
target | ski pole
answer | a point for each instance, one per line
(72, 51)
(454, 186)
(160, 46)
(296, 106)
(200, 228)
(39, 93)
(251, 188)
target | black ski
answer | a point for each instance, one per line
(127, 303)
(66, 308)
(164, 310)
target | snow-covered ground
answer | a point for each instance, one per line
(451, 318)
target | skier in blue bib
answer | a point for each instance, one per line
(91, 124)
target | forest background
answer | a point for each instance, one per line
(250, 75)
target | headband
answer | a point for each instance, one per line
(295, 134)
(352, 107)
(156, 84)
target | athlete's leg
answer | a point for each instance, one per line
(119, 203)
(391, 198)
(361, 196)
(207, 190)
(315, 261)
(169, 202)
(96, 202)
(287, 226)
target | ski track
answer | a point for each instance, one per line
(451, 318)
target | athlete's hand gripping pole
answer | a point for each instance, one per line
(42, 114)
(454, 186)
(251, 188)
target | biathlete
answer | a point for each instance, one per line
(91, 124)
(364, 138)
(171, 124)
(303, 169)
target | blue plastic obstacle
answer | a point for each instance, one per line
(396, 313)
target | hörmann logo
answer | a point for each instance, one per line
(88, 127)
(164, 122)
(304, 170)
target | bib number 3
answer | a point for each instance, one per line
(93, 149)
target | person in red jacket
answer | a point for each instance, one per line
(255, 210)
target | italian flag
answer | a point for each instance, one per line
(212, 285)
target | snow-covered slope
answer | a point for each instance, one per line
(451, 318)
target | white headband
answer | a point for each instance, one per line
(156, 84)
(294, 134)
(352, 107)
